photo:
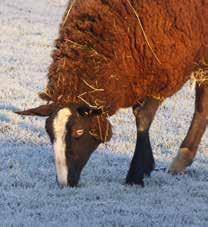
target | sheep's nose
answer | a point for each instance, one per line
(73, 180)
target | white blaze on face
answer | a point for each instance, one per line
(59, 126)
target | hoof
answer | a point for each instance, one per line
(181, 161)
(135, 181)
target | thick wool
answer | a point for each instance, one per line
(103, 59)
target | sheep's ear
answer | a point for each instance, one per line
(42, 111)
(44, 96)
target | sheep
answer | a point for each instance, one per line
(117, 54)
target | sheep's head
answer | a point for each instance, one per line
(74, 136)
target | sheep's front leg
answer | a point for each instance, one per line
(143, 161)
(191, 142)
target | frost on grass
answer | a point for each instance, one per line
(29, 195)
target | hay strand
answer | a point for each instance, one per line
(74, 43)
(107, 130)
(85, 101)
(68, 12)
(99, 126)
(143, 31)
(200, 76)
(93, 88)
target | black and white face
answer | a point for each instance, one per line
(73, 144)
(70, 132)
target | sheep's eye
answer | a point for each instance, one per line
(78, 133)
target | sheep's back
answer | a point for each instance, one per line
(103, 58)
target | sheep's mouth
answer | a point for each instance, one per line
(73, 178)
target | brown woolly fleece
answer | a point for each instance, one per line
(102, 57)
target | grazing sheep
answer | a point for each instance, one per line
(116, 54)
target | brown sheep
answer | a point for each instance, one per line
(114, 54)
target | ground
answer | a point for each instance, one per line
(29, 195)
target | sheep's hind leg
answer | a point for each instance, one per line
(191, 142)
(143, 161)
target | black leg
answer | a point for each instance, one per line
(143, 161)
(192, 140)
